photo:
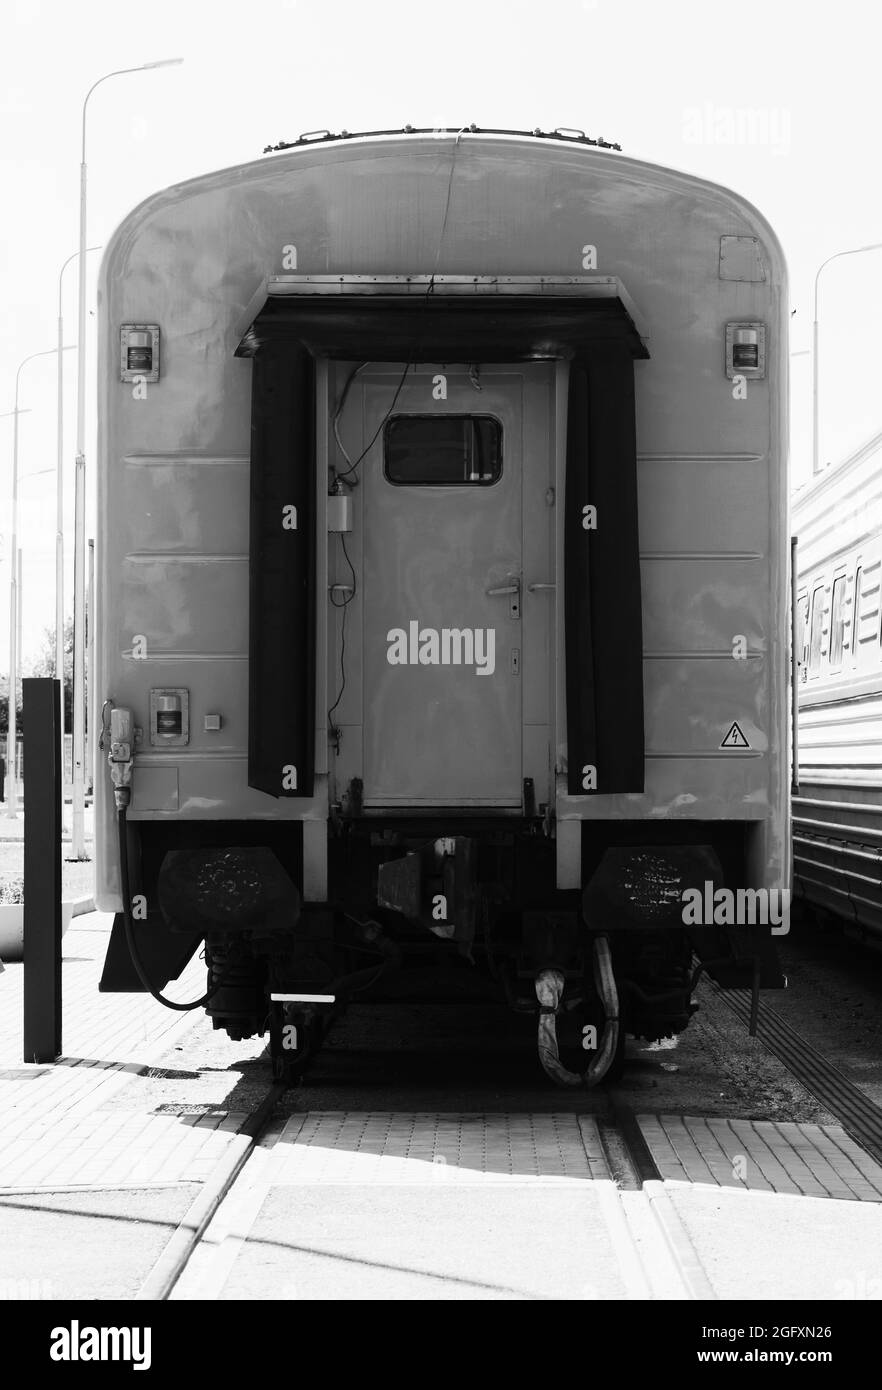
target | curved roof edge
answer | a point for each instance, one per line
(317, 151)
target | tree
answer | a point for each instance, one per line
(4, 706)
(44, 665)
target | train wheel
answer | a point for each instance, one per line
(294, 1042)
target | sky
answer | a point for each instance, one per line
(779, 102)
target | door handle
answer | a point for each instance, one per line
(512, 588)
(534, 588)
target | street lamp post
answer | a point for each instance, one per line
(10, 737)
(90, 668)
(18, 593)
(78, 839)
(12, 794)
(59, 512)
(854, 251)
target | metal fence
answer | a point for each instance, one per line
(19, 756)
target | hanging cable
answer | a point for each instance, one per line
(349, 477)
(411, 361)
(140, 970)
(336, 422)
(344, 604)
(344, 476)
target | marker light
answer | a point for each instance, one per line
(139, 351)
(746, 350)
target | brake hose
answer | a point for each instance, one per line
(549, 985)
(120, 793)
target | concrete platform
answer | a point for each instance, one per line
(56, 1130)
(388, 1205)
(397, 1204)
(381, 1205)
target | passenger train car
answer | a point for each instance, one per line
(443, 556)
(837, 811)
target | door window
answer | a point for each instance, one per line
(446, 450)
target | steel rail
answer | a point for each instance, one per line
(637, 1177)
(174, 1259)
(858, 1115)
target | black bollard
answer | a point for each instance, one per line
(42, 870)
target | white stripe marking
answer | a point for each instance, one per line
(303, 998)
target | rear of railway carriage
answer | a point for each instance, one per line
(443, 587)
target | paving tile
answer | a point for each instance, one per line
(55, 1129)
(379, 1149)
(757, 1153)
(784, 1157)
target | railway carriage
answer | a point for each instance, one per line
(837, 811)
(443, 586)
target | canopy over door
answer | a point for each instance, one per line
(587, 320)
(440, 318)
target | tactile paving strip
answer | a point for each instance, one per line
(762, 1156)
(379, 1148)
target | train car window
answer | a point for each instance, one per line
(865, 641)
(837, 621)
(446, 450)
(816, 628)
(802, 631)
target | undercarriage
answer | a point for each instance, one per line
(424, 916)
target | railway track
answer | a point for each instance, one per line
(858, 1115)
(644, 1236)
(168, 1268)
(650, 1239)
(636, 1222)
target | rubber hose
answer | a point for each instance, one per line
(130, 929)
(549, 986)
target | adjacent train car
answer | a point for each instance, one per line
(837, 811)
(443, 555)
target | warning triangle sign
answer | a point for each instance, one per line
(735, 738)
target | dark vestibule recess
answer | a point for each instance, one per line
(602, 602)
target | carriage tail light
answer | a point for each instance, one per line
(139, 352)
(746, 350)
(169, 717)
